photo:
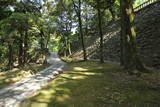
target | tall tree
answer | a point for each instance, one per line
(100, 31)
(101, 6)
(130, 58)
(78, 10)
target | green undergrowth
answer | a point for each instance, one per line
(90, 84)
(16, 74)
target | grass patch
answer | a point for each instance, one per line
(16, 74)
(90, 84)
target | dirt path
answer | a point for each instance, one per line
(15, 93)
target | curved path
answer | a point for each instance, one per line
(15, 93)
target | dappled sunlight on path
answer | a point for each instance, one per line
(14, 94)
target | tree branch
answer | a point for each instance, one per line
(75, 6)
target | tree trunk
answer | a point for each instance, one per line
(20, 56)
(78, 12)
(131, 59)
(81, 32)
(69, 49)
(113, 13)
(25, 47)
(86, 20)
(66, 46)
(10, 58)
(100, 33)
(46, 47)
(121, 36)
(42, 44)
(42, 41)
(48, 38)
(121, 48)
(65, 52)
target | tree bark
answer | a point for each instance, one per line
(100, 33)
(131, 60)
(86, 27)
(46, 47)
(112, 13)
(66, 46)
(25, 47)
(42, 44)
(65, 52)
(78, 12)
(10, 58)
(69, 49)
(81, 32)
(121, 35)
(20, 56)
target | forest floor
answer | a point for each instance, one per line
(90, 84)
(16, 74)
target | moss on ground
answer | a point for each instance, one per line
(90, 84)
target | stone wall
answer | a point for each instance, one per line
(148, 38)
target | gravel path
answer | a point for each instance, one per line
(15, 93)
